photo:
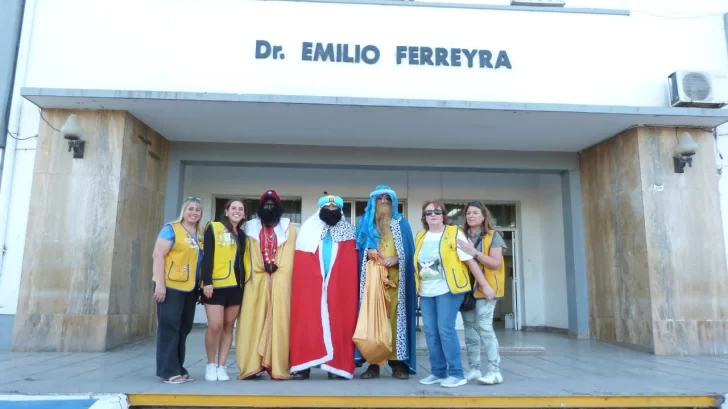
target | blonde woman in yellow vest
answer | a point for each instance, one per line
(176, 260)
(442, 279)
(486, 246)
(222, 280)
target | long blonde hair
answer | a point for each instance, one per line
(182, 213)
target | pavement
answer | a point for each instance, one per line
(63, 402)
(562, 366)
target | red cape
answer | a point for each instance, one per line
(324, 312)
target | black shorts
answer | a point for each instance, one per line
(224, 296)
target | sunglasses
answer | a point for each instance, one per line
(196, 199)
(477, 203)
(431, 212)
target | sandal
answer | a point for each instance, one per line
(305, 374)
(188, 378)
(371, 372)
(176, 379)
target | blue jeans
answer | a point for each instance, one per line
(439, 315)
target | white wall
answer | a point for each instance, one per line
(722, 164)
(186, 45)
(206, 46)
(537, 196)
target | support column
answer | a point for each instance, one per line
(175, 185)
(87, 268)
(655, 256)
(577, 293)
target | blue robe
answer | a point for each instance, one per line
(404, 241)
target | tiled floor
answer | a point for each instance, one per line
(562, 367)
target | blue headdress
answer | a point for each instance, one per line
(367, 236)
(338, 201)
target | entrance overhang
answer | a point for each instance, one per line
(373, 122)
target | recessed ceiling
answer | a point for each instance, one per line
(272, 119)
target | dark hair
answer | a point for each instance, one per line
(487, 224)
(438, 205)
(226, 221)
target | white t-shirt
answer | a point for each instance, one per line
(432, 274)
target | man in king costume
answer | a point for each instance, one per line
(324, 303)
(262, 335)
(384, 229)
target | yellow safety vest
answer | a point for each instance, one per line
(456, 272)
(495, 278)
(180, 264)
(223, 264)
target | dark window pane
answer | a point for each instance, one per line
(347, 210)
(361, 206)
(455, 214)
(504, 215)
(291, 209)
(220, 208)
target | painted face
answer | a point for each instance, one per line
(330, 214)
(474, 216)
(269, 204)
(236, 212)
(193, 212)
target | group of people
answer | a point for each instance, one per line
(297, 295)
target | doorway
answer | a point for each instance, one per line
(507, 311)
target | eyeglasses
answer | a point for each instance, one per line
(196, 199)
(431, 212)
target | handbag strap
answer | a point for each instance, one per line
(477, 243)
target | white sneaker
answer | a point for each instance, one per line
(474, 374)
(452, 382)
(222, 373)
(211, 372)
(491, 378)
(431, 380)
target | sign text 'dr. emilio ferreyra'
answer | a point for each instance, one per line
(370, 54)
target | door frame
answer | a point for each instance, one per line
(517, 285)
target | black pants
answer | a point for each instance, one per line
(174, 322)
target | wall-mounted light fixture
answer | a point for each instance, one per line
(686, 148)
(71, 131)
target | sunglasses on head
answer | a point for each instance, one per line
(431, 212)
(196, 199)
(477, 203)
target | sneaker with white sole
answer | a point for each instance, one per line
(452, 382)
(431, 380)
(491, 378)
(474, 374)
(222, 373)
(211, 372)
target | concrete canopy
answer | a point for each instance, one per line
(367, 122)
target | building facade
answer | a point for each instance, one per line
(557, 116)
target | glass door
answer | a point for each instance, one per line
(515, 280)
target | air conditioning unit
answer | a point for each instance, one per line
(700, 89)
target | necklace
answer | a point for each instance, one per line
(269, 244)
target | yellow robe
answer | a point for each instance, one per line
(263, 330)
(388, 249)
